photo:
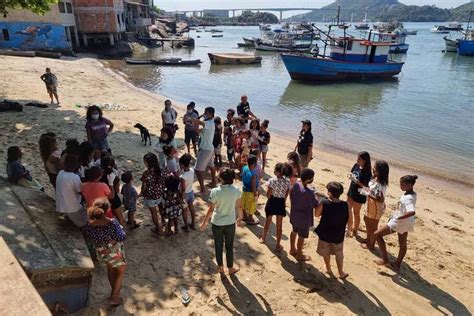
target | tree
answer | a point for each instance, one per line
(37, 6)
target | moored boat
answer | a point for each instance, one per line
(362, 26)
(132, 61)
(466, 44)
(396, 40)
(234, 59)
(217, 35)
(245, 45)
(249, 41)
(451, 44)
(441, 29)
(176, 62)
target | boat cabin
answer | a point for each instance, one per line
(359, 50)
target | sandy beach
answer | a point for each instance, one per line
(436, 277)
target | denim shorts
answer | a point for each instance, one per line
(189, 197)
(152, 203)
(101, 144)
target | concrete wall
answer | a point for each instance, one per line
(51, 16)
(33, 36)
(99, 16)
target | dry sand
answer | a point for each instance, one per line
(436, 278)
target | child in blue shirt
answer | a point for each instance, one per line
(250, 190)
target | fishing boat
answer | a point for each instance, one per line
(440, 29)
(249, 41)
(245, 45)
(466, 44)
(217, 35)
(454, 26)
(215, 31)
(412, 32)
(451, 44)
(362, 26)
(163, 62)
(132, 61)
(396, 40)
(349, 58)
(287, 42)
(265, 27)
(234, 59)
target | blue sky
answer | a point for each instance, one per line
(172, 5)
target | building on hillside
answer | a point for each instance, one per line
(137, 16)
(216, 13)
(55, 30)
(99, 20)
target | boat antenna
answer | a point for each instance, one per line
(338, 12)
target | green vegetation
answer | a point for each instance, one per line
(387, 10)
(255, 17)
(37, 6)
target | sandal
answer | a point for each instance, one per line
(185, 298)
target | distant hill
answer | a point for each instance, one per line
(386, 10)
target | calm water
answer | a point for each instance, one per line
(425, 119)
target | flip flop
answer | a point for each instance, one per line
(185, 298)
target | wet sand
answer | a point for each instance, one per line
(436, 277)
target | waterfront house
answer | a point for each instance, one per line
(137, 16)
(54, 31)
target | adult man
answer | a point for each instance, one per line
(243, 109)
(51, 82)
(205, 156)
(304, 145)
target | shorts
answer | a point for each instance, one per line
(302, 232)
(152, 203)
(116, 202)
(304, 161)
(205, 158)
(78, 218)
(51, 88)
(101, 144)
(130, 208)
(217, 150)
(112, 254)
(230, 154)
(275, 206)
(264, 148)
(249, 203)
(190, 136)
(189, 197)
(328, 248)
(374, 210)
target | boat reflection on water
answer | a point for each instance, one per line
(143, 76)
(232, 69)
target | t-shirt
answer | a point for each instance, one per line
(98, 128)
(264, 137)
(305, 140)
(376, 190)
(247, 175)
(159, 150)
(91, 191)
(224, 198)
(169, 116)
(243, 109)
(171, 165)
(217, 136)
(16, 171)
(188, 123)
(68, 192)
(50, 79)
(406, 204)
(103, 235)
(332, 225)
(279, 186)
(188, 177)
(129, 195)
(207, 135)
(364, 177)
(153, 186)
(303, 202)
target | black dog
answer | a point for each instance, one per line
(144, 133)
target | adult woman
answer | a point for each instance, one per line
(50, 154)
(166, 139)
(98, 128)
(304, 145)
(223, 201)
(168, 116)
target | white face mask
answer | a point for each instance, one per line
(190, 111)
(95, 116)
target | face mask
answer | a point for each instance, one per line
(190, 111)
(95, 116)
(204, 117)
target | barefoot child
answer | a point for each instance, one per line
(277, 192)
(152, 189)
(16, 171)
(108, 237)
(334, 215)
(129, 195)
(223, 203)
(402, 222)
(172, 203)
(93, 189)
(264, 139)
(217, 141)
(376, 193)
(250, 185)
(303, 202)
(294, 161)
(111, 178)
(187, 179)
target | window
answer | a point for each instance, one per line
(6, 35)
(68, 7)
(62, 8)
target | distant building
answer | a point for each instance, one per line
(99, 20)
(137, 16)
(216, 13)
(25, 30)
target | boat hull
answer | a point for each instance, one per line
(234, 59)
(399, 49)
(324, 69)
(466, 47)
(281, 49)
(451, 45)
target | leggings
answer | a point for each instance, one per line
(224, 234)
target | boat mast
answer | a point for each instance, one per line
(468, 22)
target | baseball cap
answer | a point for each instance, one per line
(307, 122)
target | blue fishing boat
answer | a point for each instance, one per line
(466, 44)
(396, 40)
(349, 58)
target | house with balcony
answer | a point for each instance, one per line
(137, 16)
(100, 21)
(54, 31)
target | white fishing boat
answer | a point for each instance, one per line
(454, 26)
(451, 44)
(286, 42)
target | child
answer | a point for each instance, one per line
(108, 237)
(93, 189)
(50, 154)
(110, 177)
(223, 203)
(173, 204)
(264, 140)
(250, 184)
(190, 130)
(187, 179)
(245, 143)
(402, 222)
(129, 195)
(217, 141)
(16, 171)
(303, 201)
(68, 192)
(360, 176)
(334, 215)
(166, 138)
(171, 166)
(86, 153)
(376, 192)
(152, 189)
(229, 143)
(277, 192)
(254, 130)
(98, 128)
(229, 122)
(294, 161)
